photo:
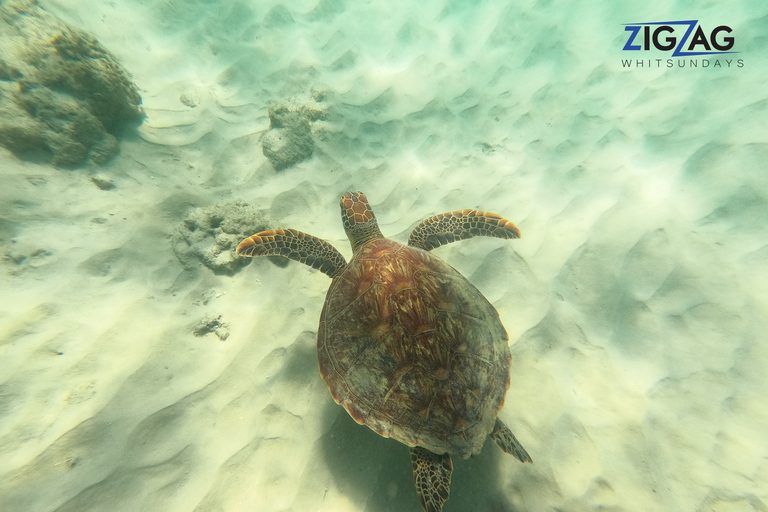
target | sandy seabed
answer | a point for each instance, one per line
(636, 301)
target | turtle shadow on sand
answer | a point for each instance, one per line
(376, 473)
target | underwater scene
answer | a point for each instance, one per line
(383, 256)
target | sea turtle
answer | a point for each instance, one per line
(406, 344)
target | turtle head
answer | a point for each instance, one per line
(359, 221)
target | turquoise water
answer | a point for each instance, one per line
(143, 367)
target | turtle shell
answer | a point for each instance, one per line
(412, 349)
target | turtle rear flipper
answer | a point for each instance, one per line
(297, 246)
(508, 442)
(432, 476)
(459, 225)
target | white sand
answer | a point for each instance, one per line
(636, 302)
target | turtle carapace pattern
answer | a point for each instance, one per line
(406, 344)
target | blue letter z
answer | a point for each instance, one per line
(629, 46)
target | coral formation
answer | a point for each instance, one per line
(211, 324)
(289, 139)
(210, 235)
(63, 97)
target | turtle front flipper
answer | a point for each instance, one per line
(459, 225)
(297, 246)
(432, 476)
(508, 442)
